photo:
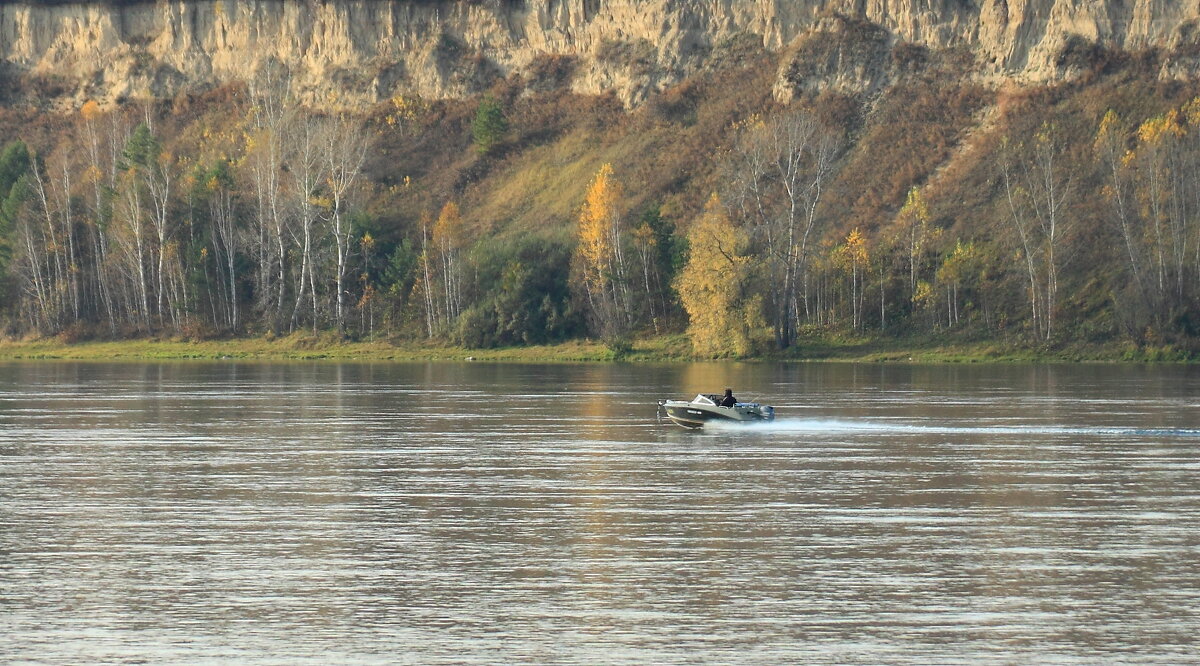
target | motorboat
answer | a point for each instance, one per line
(705, 408)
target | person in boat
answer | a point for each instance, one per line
(728, 400)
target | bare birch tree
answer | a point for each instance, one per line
(346, 147)
(271, 111)
(305, 173)
(1110, 147)
(1038, 188)
(775, 179)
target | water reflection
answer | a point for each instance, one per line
(482, 513)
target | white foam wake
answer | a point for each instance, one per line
(835, 426)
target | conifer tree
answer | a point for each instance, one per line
(14, 164)
(489, 125)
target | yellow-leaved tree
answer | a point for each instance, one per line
(914, 218)
(599, 256)
(709, 285)
(852, 257)
(959, 272)
(1148, 185)
(448, 239)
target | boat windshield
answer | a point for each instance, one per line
(703, 399)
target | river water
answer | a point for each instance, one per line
(459, 513)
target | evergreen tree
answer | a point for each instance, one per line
(14, 165)
(489, 126)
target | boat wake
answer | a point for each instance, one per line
(843, 426)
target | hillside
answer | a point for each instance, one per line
(1018, 172)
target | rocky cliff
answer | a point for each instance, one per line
(357, 52)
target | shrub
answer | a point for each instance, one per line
(476, 328)
(620, 346)
(521, 295)
(549, 72)
(909, 57)
(1082, 54)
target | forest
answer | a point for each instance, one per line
(939, 208)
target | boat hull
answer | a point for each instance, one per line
(695, 415)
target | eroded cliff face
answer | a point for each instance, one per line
(353, 53)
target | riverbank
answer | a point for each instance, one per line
(307, 347)
(291, 348)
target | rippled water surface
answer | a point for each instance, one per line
(476, 513)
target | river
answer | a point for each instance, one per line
(461, 513)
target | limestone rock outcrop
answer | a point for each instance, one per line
(358, 52)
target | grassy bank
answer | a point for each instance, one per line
(299, 348)
(663, 348)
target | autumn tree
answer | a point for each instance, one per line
(959, 273)
(369, 294)
(889, 258)
(710, 285)
(853, 259)
(914, 221)
(600, 255)
(448, 240)
(425, 282)
(1154, 201)
(1166, 190)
